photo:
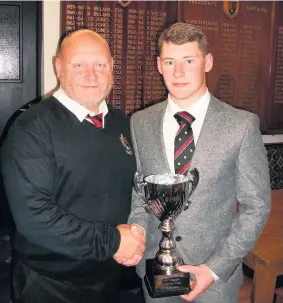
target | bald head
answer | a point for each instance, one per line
(84, 67)
(81, 35)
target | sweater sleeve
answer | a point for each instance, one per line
(28, 168)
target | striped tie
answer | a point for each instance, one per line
(96, 120)
(184, 143)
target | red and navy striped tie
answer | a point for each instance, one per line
(184, 143)
(96, 120)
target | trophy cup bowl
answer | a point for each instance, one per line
(166, 196)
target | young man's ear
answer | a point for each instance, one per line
(159, 65)
(208, 62)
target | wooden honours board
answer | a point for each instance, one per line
(239, 34)
(245, 40)
(275, 102)
(132, 31)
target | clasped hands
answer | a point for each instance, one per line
(132, 244)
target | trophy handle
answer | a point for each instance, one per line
(192, 185)
(139, 185)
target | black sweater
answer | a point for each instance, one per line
(68, 186)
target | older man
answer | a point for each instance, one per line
(67, 167)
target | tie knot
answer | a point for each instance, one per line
(184, 117)
(96, 120)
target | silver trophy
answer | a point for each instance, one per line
(166, 196)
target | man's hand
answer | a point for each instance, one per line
(204, 279)
(132, 244)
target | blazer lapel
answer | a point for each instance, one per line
(158, 147)
(212, 125)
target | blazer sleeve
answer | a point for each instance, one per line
(28, 168)
(253, 192)
(138, 214)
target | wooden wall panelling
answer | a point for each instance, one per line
(239, 35)
(275, 105)
(132, 32)
(246, 40)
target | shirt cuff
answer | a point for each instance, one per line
(214, 275)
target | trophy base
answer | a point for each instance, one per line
(165, 285)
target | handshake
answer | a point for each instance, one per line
(132, 244)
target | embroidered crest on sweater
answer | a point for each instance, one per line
(126, 145)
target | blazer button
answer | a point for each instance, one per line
(178, 238)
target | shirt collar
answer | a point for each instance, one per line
(197, 109)
(77, 109)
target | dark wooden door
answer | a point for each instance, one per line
(20, 44)
(20, 55)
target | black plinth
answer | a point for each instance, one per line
(163, 285)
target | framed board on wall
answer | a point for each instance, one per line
(245, 40)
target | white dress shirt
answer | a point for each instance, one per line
(171, 126)
(77, 109)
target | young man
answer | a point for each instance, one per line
(227, 149)
(67, 167)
